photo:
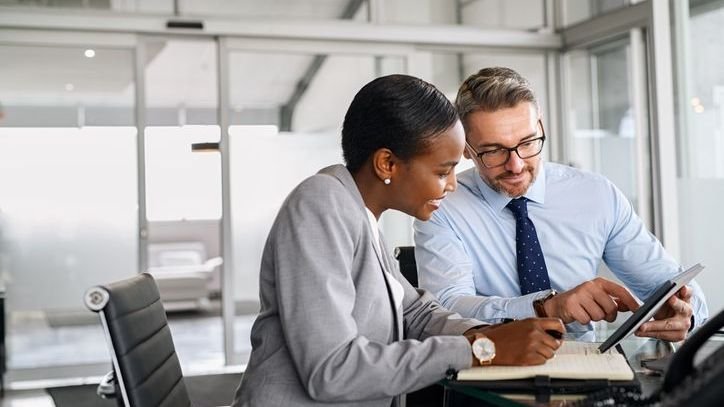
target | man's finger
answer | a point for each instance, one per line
(678, 305)
(664, 325)
(579, 314)
(685, 293)
(621, 306)
(671, 336)
(592, 308)
(607, 305)
(620, 292)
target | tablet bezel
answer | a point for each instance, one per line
(652, 304)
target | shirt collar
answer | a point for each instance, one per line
(498, 201)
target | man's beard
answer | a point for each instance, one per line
(497, 183)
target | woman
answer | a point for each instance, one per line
(338, 322)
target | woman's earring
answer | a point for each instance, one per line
(387, 181)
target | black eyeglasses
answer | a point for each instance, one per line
(500, 156)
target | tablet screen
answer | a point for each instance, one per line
(652, 304)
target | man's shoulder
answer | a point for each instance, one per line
(467, 177)
(467, 187)
(459, 203)
(581, 186)
(556, 172)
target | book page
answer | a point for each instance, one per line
(574, 360)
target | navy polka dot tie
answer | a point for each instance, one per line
(532, 271)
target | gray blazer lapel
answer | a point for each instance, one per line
(343, 175)
(390, 274)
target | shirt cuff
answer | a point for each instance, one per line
(522, 307)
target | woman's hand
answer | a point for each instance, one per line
(523, 342)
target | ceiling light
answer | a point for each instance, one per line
(69, 87)
(89, 53)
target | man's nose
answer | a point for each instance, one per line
(515, 164)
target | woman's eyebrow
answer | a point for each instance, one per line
(451, 163)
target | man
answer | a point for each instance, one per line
(521, 237)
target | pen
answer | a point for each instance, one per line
(554, 333)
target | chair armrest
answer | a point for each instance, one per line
(213, 262)
(107, 387)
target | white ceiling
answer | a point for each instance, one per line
(178, 72)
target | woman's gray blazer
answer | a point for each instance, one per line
(327, 331)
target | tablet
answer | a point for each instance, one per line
(652, 304)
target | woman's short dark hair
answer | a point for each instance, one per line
(398, 112)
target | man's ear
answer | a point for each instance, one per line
(384, 164)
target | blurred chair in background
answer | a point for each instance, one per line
(183, 274)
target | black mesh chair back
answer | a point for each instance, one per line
(405, 255)
(146, 367)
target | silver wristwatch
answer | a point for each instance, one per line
(484, 350)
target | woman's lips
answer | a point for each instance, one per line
(436, 202)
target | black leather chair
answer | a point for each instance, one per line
(146, 369)
(405, 255)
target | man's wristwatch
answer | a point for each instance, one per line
(484, 350)
(538, 308)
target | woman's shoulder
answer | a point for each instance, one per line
(324, 191)
(321, 184)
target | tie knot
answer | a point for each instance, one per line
(519, 207)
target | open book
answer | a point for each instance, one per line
(574, 360)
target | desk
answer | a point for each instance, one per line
(636, 350)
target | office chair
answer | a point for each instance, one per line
(146, 371)
(405, 255)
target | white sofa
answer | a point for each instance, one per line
(183, 273)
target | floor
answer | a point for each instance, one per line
(26, 398)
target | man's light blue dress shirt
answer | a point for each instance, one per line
(466, 253)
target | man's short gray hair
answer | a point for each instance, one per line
(492, 89)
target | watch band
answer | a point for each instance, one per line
(538, 307)
(484, 362)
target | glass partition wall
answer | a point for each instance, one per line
(605, 101)
(605, 130)
(700, 141)
(68, 195)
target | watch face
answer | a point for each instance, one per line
(483, 349)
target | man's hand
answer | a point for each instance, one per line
(523, 342)
(673, 320)
(594, 300)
